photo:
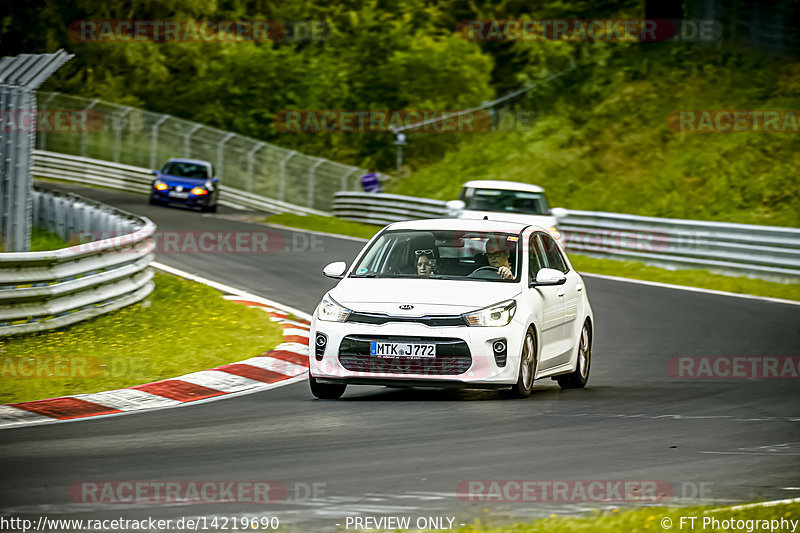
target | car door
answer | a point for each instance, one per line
(551, 327)
(569, 293)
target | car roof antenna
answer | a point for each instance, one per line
(485, 217)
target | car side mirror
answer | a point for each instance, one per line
(548, 276)
(335, 270)
(154, 172)
(559, 212)
(454, 207)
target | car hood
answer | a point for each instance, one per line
(428, 296)
(546, 221)
(173, 181)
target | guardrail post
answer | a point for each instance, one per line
(282, 165)
(221, 152)
(187, 140)
(154, 145)
(250, 155)
(118, 131)
(311, 179)
(83, 135)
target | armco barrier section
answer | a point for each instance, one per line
(137, 179)
(44, 290)
(385, 208)
(766, 252)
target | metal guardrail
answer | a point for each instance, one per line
(137, 179)
(44, 290)
(384, 208)
(766, 252)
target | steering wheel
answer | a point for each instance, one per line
(484, 268)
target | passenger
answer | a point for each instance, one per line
(426, 262)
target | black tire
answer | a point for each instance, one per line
(153, 201)
(527, 369)
(325, 391)
(577, 378)
(212, 208)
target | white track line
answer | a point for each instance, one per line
(691, 289)
(230, 290)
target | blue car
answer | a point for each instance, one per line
(189, 182)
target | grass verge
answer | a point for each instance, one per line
(661, 519)
(326, 224)
(181, 327)
(44, 241)
(690, 278)
(582, 263)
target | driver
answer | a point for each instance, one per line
(497, 255)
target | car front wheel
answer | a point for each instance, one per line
(527, 369)
(326, 391)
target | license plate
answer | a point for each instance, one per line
(173, 194)
(401, 349)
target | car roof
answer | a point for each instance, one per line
(460, 224)
(505, 185)
(183, 160)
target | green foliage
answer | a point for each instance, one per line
(605, 144)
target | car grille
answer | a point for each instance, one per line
(452, 356)
(430, 320)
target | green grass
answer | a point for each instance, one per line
(690, 278)
(327, 224)
(604, 144)
(582, 263)
(44, 241)
(181, 327)
(648, 520)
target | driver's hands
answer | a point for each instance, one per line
(505, 272)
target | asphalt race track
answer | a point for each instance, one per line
(383, 452)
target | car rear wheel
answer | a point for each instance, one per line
(527, 369)
(325, 391)
(578, 378)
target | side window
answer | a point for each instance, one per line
(536, 256)
(552, 253)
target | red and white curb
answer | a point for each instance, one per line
(287, 363)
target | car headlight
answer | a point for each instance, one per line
(199, 191)
(330, 311)
(160, 185)
(494, 315)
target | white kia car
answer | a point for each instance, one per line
(506, 200)
(447, 302)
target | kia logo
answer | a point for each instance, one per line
(406, 307)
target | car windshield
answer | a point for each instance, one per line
(434, 254)
(185, 170)
(506, 201)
